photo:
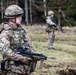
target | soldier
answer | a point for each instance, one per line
(50, 29)
(12, 36)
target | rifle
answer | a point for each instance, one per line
(31, 55)
(32, 63)
(34, 56)
(23, 51)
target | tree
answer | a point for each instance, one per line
(65, 9)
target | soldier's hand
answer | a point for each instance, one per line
(36, 58)
(26, 60)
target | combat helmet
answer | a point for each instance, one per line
(13, 11)
(50, 12)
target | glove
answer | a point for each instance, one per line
(36, 58)
(18, 57)
(26, 60)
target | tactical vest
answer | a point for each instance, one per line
(17, 36)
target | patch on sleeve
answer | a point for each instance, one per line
(4, 40)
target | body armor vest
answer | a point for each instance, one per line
(17, 38)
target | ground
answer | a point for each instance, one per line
(65, 55)
(64, 62)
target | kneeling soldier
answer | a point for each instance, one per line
(12, 36)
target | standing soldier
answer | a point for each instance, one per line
(50, 29)
(12, 36)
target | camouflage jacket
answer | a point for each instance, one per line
(49, 21)
(50, 24)
(10, 39)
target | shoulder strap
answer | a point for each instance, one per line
(1, 27)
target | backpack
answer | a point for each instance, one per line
(2, 61)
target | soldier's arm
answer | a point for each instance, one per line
(6, 49)
(50, 22)
(29, 43)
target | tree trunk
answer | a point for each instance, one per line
(60, 20)
(44, 7)
(16, 1)
(26, 12)
(30, 11)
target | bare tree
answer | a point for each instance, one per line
(44, 1)
(60, 18)
(26, 12)
(30, 10)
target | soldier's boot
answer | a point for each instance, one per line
(51, 47)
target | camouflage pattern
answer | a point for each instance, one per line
(50, 29)
(12, 73)
(51, 38)
(10, 39)
(13, 10)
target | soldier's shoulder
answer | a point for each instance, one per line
(5, 26)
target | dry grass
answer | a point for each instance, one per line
(66, 49)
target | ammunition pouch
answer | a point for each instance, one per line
(3, 62)
(49, 28)
(3, 66)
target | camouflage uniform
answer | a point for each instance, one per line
(50, 29)
(10, 39)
